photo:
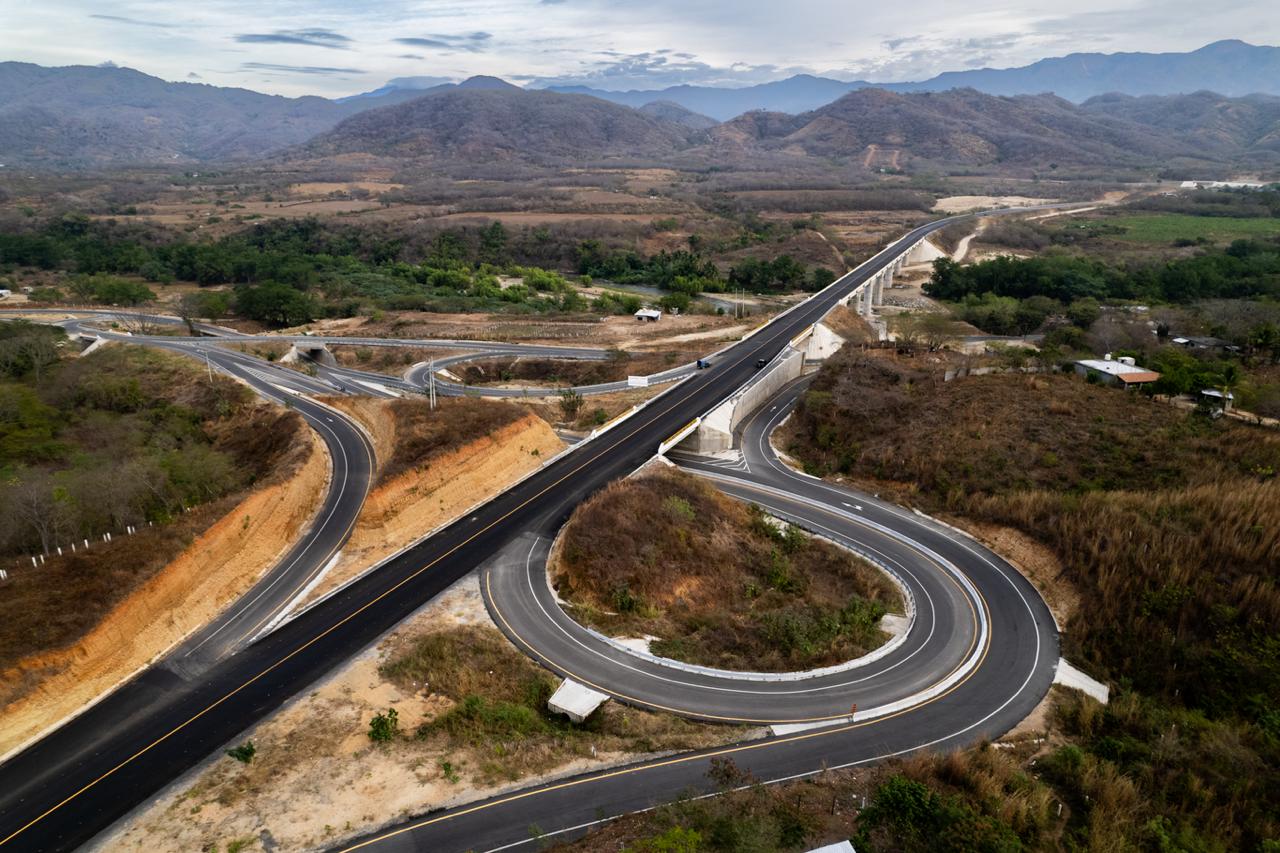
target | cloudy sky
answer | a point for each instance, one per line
(340, 47)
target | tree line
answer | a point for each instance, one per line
(1247, 269)
(291, 271)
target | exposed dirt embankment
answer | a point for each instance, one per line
(434, 466)
(234, 543)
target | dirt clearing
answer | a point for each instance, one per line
(962, 203)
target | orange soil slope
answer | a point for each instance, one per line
(218, 566)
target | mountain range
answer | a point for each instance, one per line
(94, 117)
(964, 126)
(960, 126)
(1232, 68)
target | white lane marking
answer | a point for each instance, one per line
(340, 481)
(849, 683)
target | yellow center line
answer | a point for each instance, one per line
(682, 759)
(727, 719)
(350, 616)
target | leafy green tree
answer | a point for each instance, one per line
(28, 427)
(677, 839)
(117, 291)
(820, 277)
(1084, 312)
(274, 304)
(675, 302)
(493, 245)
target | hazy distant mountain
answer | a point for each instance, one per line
(404, 88)
(792, 95)
(958, 127)
(1227, 67)
(869, 127)
(673, 112)
(483, 122)
(81, 116)
(400, 84)
(1231, 68)
(1215, 124)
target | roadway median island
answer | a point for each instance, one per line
(84, 621)
(552, 374)
(714, 582)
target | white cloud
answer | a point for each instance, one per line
(614, 43)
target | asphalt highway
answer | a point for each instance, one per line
(74, 783)
(977, 659)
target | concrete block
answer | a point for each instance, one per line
(1068, 676)
(576, 701)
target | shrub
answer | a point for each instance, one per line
(384, 727)
(244, 752)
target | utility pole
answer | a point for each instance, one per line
(207, 365)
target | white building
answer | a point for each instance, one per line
(1122, 371)
(648, 315)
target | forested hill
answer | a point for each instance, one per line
(479, 123)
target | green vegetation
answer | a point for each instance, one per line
(72, 433)
(125, 437)
(570, 404)
(1170, 228)
(288, 272)
(976, 801)
(1167, 524)
(690, 273)
(1248, 268)
(722, 584)
(383, 728)
(1240, 204)
(243, 753)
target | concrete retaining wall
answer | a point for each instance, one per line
(715, 433)
(822, 344)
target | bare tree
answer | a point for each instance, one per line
(33, 504)
(136, 323)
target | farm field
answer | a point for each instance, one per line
(1168, 227)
